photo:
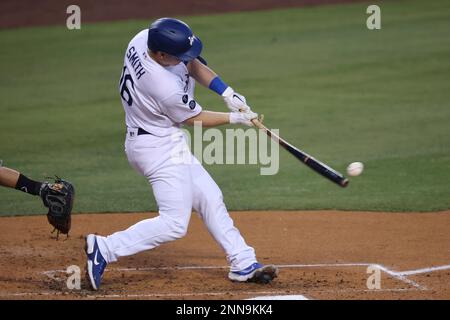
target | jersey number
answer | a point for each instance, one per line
(124, 89)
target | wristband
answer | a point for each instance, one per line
(217, 85)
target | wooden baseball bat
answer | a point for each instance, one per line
(305, 158)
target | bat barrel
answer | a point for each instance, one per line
(309, 161)
(327, 172)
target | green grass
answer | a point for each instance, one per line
(335, 89)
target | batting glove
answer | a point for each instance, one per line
(243, 117)
(234, 101)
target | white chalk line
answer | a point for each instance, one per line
(424, 270)
(184, 295)
(282, 297)
(146, 295)
(320, 265)
(325, 265)
(399, 275)
(51, 273)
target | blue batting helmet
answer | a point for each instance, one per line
(174, 37)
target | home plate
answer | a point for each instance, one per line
(284, 297)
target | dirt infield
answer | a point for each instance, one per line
(322, 255)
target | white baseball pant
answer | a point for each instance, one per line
(178, 188)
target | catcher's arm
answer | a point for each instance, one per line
(8, 177)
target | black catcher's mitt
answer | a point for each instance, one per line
(58, 197)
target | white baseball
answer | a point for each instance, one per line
(355, 169)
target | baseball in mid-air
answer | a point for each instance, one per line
(355, 169)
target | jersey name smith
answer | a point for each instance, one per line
(135, 62)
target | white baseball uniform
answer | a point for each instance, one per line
(158, 99)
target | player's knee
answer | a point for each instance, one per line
(178, 229)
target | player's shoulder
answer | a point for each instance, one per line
(163, 85)
(143, 34)
(160, 82)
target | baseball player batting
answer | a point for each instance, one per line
(156, 86)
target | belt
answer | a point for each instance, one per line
(142, 131)
(138, 132)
